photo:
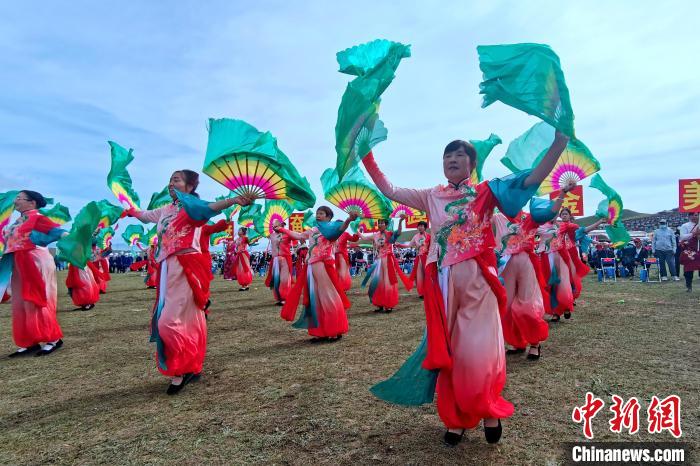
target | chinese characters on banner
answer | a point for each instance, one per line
(412, 221)
(689, 195)
(661, 415)
(573, 200)
(296, 222)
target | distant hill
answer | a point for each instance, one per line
(626, 215)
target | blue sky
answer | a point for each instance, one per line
(149, 74)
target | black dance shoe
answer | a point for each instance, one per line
(535, 357)
(493, 434)
(567, 315)
(451, 439)
(515, 351)
(29, 351)
(54, 347)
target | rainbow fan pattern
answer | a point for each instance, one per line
(399, 209)
(355, 194)
(104, 238)
(118, 178)
(7, 205)
(575, 164)
(274, 211)
(248, 175)
(249, 163)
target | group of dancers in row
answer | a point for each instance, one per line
(484, 279)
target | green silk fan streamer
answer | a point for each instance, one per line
(249, 163)
(246, 218)
(527, 77)
(611, 207)
(618, 235)
(274, 211)
(355, 193)
(119, 180)
(358, 127)
(160, 199)
(483, 150)
(109, 213)
(76, 247)
(527, 150)
(58, 213)
(7, 206)
(134, 234)
(364, 225)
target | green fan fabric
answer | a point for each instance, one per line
(76, 247)
(58, 213)
(618, 234)
(118, 178)
(249, 162)
(160, 199)
(527, 77)
(134, 233)
(483, 150)
(109, 213)
(358, 127)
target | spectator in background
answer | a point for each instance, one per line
(663, 246)
(677, 256)
(690, 243)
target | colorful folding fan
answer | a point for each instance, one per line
(7, 206)
(104, 238)
(526, 151)
(119, 180)
(249, 163)
(398, 209)
(274, 211)
(133, 235)
(355, 194)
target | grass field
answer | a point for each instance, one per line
(268, 396)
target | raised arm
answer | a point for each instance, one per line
(293, 234)
(595, 225)
(416, 198)
(548, 161)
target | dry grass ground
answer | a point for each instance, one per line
(268, 396)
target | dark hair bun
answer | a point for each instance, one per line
(36, 197)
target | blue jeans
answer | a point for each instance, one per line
(666, 257)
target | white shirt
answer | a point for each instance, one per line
(686, 230)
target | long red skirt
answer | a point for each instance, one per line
(83, 287)
(33, 323)
(523, 321)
